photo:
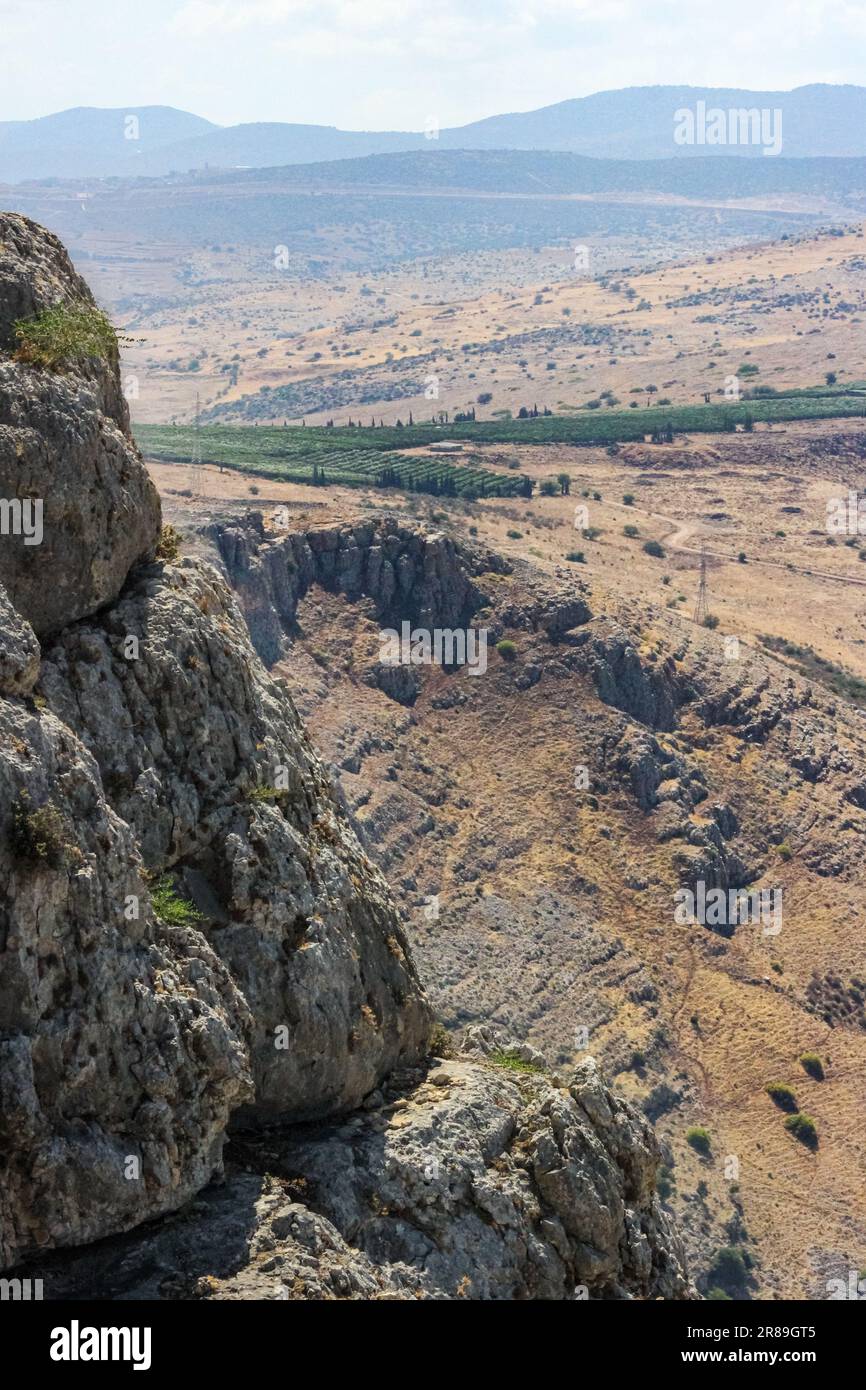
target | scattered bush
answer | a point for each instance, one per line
(729, 1272)
(441, 1042)
(711, 621)
(782, 1095)
(812, 1065)
(631, 532)
(699, 1139)
(267, 794)
(654, 548)
(576, 556)
(803, 1127)
(664, 1183)
(506, 649)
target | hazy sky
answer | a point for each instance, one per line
(391, 64)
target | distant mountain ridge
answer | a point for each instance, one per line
(92, 142)
(633, 123)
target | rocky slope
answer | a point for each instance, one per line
(191, 934)
(538, 824)
(464, 1180)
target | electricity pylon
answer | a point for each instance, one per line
(701, 609)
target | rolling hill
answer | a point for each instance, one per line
(633, 123)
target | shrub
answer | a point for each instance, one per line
(170, 908)
(711, 621)
(267, 794)
(511, 1061)
(785, 851)
(39, 834)
(66, 334)
(782, 1095)
(729, 1272)
(441, 1042)
(812, 1065)
(664, 1183)
(699, 1139)
(506, 649)
(514, 535)
(576, 556)
(654, 548)
(548, 488)
(168, 547)
(628, 499)
(631, 532)
(803, 1128)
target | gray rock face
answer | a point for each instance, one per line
(204, 757)
(650, 696)
(19, 651)
(64, 444)
(121, 1041)
(37, 274)
(497, 1185)
(467, 1181)
(411, 575)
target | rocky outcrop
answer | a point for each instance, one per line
(493, 1184)
(466, 1180)
(650, 694)
(411, 575)
(122, 1049)
(65, 447)
(19, 651)
(204, 758)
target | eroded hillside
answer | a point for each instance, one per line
(536, 820)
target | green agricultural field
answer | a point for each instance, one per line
(355, 456)
(350, 458)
